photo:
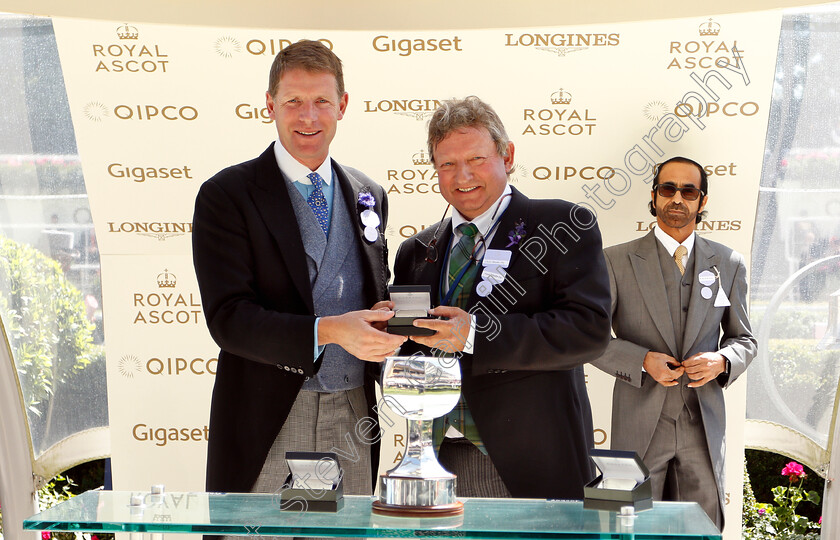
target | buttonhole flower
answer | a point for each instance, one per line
(517, 234)
(366, 199)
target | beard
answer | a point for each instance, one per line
(675, 215)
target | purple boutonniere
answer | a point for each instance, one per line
(370, 220)
(517, 234)
(367, 200)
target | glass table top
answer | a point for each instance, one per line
(260, 514)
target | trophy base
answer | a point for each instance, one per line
(417, 496)
(395, 510)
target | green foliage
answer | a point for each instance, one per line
(806, 372)
(45, 321)
(60, 489)
(791, 321)
(779, 519)
(763, 470)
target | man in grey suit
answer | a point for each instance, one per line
(679, 315)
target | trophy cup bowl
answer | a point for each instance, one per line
(420, 389)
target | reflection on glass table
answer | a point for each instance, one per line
(261, 514)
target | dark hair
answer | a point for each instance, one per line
(312, 56)
(704, 182)
(469, 112)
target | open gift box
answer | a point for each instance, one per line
(410, 302)
(624, 480)
(315, 483)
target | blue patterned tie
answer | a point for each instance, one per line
(318, 203)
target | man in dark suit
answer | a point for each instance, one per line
(288, 250)
(673, 293)
(523, 301)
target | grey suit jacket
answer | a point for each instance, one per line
(641, 322)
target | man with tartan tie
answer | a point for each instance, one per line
(523, 302)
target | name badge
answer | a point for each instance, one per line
(494, 274)
(497, 257)
(706, 278)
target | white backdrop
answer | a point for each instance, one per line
(158, 109)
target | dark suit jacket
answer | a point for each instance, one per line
(255, 289)
(524, 382)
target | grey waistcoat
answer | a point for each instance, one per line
(336, 277)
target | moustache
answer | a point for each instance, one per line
(676, 208)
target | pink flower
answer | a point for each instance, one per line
(45, 535)
(761, 511)
(820, 521)
(794, 471)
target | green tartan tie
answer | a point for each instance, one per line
(459, 258)
(460, 417)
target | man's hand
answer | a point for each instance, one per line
(450, 333)
(657, 366)
(704, 367)
(355, 333)
(383, 305)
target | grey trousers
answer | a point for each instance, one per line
(680, 464)
(477, 477)
(321, 422)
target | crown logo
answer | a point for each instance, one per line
(561, 98)
(710, 28)
(127, 32)
(421, 158)
(166, 279)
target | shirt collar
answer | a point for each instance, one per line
(670, 244)
(297, 171)
(485, 220)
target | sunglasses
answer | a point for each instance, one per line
(669, 190)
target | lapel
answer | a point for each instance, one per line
(518, 208)
(374, 256)
(645, 263)
(698, 307)
(427, 272)
(275, 207)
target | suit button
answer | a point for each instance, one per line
(685, 308)
(346, 379)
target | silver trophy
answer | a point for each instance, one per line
(420, 389)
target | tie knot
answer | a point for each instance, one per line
(468, 229)
(316, 179)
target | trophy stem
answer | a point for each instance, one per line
(419, 481)
(423, 388)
